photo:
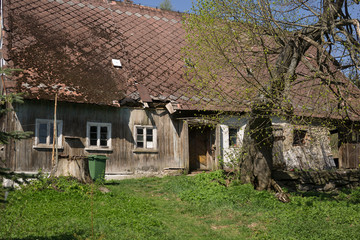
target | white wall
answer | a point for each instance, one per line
(228, 154)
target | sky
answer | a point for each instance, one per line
(178, 5)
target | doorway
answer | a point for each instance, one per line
(201, 147)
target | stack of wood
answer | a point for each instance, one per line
(280, 194)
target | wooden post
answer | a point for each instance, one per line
(54, 136)
(3, 91)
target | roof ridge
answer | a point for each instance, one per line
(126, 8)
(122, 3)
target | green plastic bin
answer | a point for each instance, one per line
(97, 164)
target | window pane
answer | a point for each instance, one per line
(139, 131)
(93, 129)
(103, 143)
(103, 136)
(149, 135)
(140, 138)
(232, 137)
(42, 133)
(93, 136)
(149, 138)
(103, 130)
(103, 133)
(149, 145)
(149, 131)
(140, 144)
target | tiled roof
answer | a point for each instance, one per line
(67, 46)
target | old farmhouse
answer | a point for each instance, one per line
(118, 72)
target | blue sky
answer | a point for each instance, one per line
(178, 5)
(185, 5)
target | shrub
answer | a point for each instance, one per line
(65, 184)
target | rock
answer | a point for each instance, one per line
(104, 189)
(304, 188)
(329, 187)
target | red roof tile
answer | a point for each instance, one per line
(67, 46)
(63, 45)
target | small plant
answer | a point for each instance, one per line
(65, 184)
(354, 197)
(181, 207)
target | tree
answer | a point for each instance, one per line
(166, 5)
(260, 48)
(6, 136)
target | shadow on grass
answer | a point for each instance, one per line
(112, 183)
(67, 236)
(321, 195)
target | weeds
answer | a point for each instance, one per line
(61, 184)
(204, 206)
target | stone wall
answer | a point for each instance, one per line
(322, 181)
(309, 150)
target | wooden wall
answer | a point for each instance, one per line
(172, 140)
(349, 148)
(350, 155)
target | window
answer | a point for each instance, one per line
(233, 138)
(98, 135)
(355, 136)
(299, 137)
(145, 137)
(44, 133)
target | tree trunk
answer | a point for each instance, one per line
(256, 166)
(75, 166)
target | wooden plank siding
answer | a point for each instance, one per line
(350, 153)
(172, 139)
(349, 147)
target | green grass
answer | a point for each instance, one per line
(199, 207)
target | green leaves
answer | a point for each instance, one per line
(183, 207)
(6, 107)
(166, 5)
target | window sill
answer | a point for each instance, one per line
(97, 149)
(46, 147)
(145, 150)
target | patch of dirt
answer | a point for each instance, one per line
(218, 227)
(256, 226)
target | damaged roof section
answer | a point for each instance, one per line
(68, 47)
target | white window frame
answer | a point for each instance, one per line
(98, 125)
(154, 133)
(48, 144)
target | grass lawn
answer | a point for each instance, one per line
(183, 207)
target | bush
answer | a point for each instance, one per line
(65, 184)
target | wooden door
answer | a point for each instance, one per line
(350, 153)
(200, 152)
